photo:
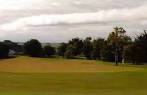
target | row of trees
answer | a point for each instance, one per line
(117, 47)
(7, 47)
(97, 48)
(34, 48)
(136, 52)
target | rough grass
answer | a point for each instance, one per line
(34, 76)
(46, 65)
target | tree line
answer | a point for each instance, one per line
(117, 47)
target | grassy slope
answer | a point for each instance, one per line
(46, 65)
(96, 83)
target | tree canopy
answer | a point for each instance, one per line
(49, 50)
(4, 50)
(33, 48)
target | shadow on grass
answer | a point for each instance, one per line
(55, 56)
(76, 58)
(43, 56)
(7, 57)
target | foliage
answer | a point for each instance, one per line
(137, 52)
(61, 49)
(69, 52)
(14, 46)
(87, 47)
(117, 47)
(108, 53)
(49, 50)
(98, 46)
(77, 45)
(118, 40)
(4, 50)
(130, 54)
(33, 48)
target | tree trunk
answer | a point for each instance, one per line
(116, 57)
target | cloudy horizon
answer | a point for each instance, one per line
(60, 20)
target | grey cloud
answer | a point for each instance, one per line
(130, 14)
(103, 16)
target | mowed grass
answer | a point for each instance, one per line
(57, 76)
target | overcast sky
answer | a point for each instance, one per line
(61, 20)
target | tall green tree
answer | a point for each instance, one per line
(33, 48)
(117, 39)
(77, 45)
(73, 48)
(137, 52)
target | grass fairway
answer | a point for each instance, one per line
(39, 76)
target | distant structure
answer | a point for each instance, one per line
(12, 53)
